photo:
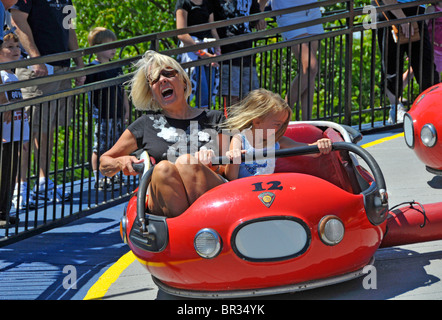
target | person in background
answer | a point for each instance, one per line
(190, 13)
(42, 29)
(13, 131)
(243, 77)
(422, 65)
(4, 5)
(437, 40)
(302, 87)
(110, 105)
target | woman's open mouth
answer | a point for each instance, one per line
(166, 93)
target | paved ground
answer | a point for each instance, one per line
(86, 259)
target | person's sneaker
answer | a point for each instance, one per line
(21, 202)
(401, 111)
(106, 183)
(101, 184)
(52, 193)
(8, 221)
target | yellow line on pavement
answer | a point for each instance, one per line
(99, 289)
(369, 144)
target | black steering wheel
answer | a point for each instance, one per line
(375, 197)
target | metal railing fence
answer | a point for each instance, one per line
(347, 89)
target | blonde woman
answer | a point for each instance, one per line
(261, 120)
(169, 131)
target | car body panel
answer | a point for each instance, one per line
(426, 109)
(181, 267)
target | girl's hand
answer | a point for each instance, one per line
(324, 145)
(235, 155)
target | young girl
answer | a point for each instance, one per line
(261, 119)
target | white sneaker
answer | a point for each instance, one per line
(21, 202)
(52, 193)
(401, 111)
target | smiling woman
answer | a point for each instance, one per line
(169, 132)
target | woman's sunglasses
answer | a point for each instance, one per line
(168, 73)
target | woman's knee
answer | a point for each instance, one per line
(185, 160)
(188, 165)
(164, 170)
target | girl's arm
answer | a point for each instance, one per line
(324, 145)
(232, 169)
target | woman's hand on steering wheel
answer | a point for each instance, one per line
(127, 167)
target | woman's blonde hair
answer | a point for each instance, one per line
(148, 68)
(258, 104)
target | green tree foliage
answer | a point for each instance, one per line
(127, 18)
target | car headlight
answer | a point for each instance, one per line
(408, 131)
(207, 243)
(429, 135)
(331, 230)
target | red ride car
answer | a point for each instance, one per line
(314, 222)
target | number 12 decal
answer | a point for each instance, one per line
(273, 185)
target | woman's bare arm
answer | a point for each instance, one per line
(118, 158)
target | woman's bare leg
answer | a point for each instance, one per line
(174, 187)
(167, 195)
(197, 178)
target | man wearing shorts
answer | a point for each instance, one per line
(43, 28)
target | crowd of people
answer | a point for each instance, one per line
(164, 90)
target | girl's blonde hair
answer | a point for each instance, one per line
(148, 68)
(258, 104)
